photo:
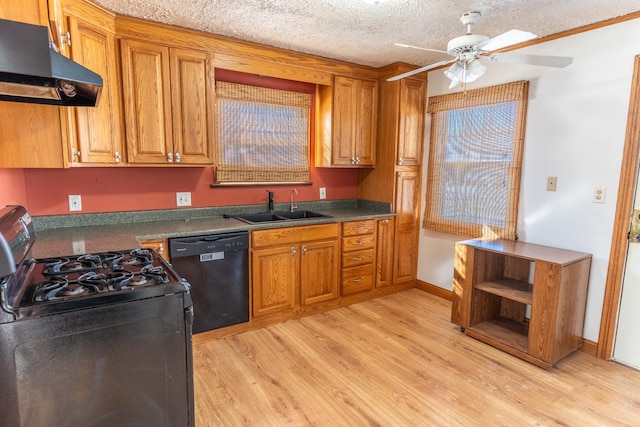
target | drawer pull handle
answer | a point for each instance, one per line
(358, 280)
(357, 258)
(358, 243)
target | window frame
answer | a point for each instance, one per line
(254, 96)
(515, 93)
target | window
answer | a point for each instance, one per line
(263, 134)
(475, 161)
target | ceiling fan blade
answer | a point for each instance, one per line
(509, 38)
(541, 60)
(420, 48)
(419, 70)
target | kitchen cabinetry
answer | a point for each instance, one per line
(497, 282)
(87, 36)
(30, 134)
(405, 261)
(158, 245)
(396, 177)
(358, 256)
(293, 267)
(347, 123)
(169, 103)
(384, 252)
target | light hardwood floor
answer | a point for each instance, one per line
(398, 361)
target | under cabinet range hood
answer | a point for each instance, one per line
(32, 71)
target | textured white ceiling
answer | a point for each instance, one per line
(363, 31)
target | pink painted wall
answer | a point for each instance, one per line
(12, 187)
(132, 189)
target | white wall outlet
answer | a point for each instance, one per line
(599, 194)
(323, 193)
(75, 202)
(552, 183)
(183, 199)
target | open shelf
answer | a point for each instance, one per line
(508, 288)
(506, 331)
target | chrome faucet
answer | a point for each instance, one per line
(294, 206)
(270, 202)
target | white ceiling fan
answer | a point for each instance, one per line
(468, 49)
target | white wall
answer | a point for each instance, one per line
(576, 123)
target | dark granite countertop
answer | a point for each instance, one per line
(79, 234)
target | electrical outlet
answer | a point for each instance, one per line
(183, 199)
(323, 193)
(552, 183)
(598, 194)
(75, 203)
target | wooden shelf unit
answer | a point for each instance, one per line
(528, 300)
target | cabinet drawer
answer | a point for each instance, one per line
(357, 279)
(356, 228)
(351, 259)
(357, 243)
(293, 235)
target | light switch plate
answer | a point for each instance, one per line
(552, 183)
(323, 193)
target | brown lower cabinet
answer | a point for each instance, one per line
(293, 267)
(358, 256)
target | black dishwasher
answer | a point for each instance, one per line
(217, 267)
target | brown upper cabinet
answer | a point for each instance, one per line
(169, 103)
(411, 129)
(347, 123)
(87, 36)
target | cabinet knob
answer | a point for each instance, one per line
(304, 249)
(177, 157)
(293, 251)
(400, 161)
(118, 157)
(75, 153)
(65, 38)
(170, 158)
(385, 221)
(353, 160)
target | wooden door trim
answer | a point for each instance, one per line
(626, 191)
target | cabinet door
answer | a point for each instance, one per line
(192, 96)
(147, 101)
(274, 277)
(384, 253)
(158, 245)
(365, 137)
(319, 271)
(406, 234)
(96, 133)
(29, 133)
(344, 121)
(412, 112)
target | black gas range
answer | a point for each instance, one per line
(91, 339)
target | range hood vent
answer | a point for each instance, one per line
(32, 71)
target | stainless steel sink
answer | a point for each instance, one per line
(279, 216)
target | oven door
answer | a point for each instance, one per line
(123, 364)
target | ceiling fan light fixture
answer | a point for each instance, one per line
(475, 70)
(455, 72)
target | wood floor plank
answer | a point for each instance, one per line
(398, 361)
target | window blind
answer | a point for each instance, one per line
(263, 134)
(475, 161)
